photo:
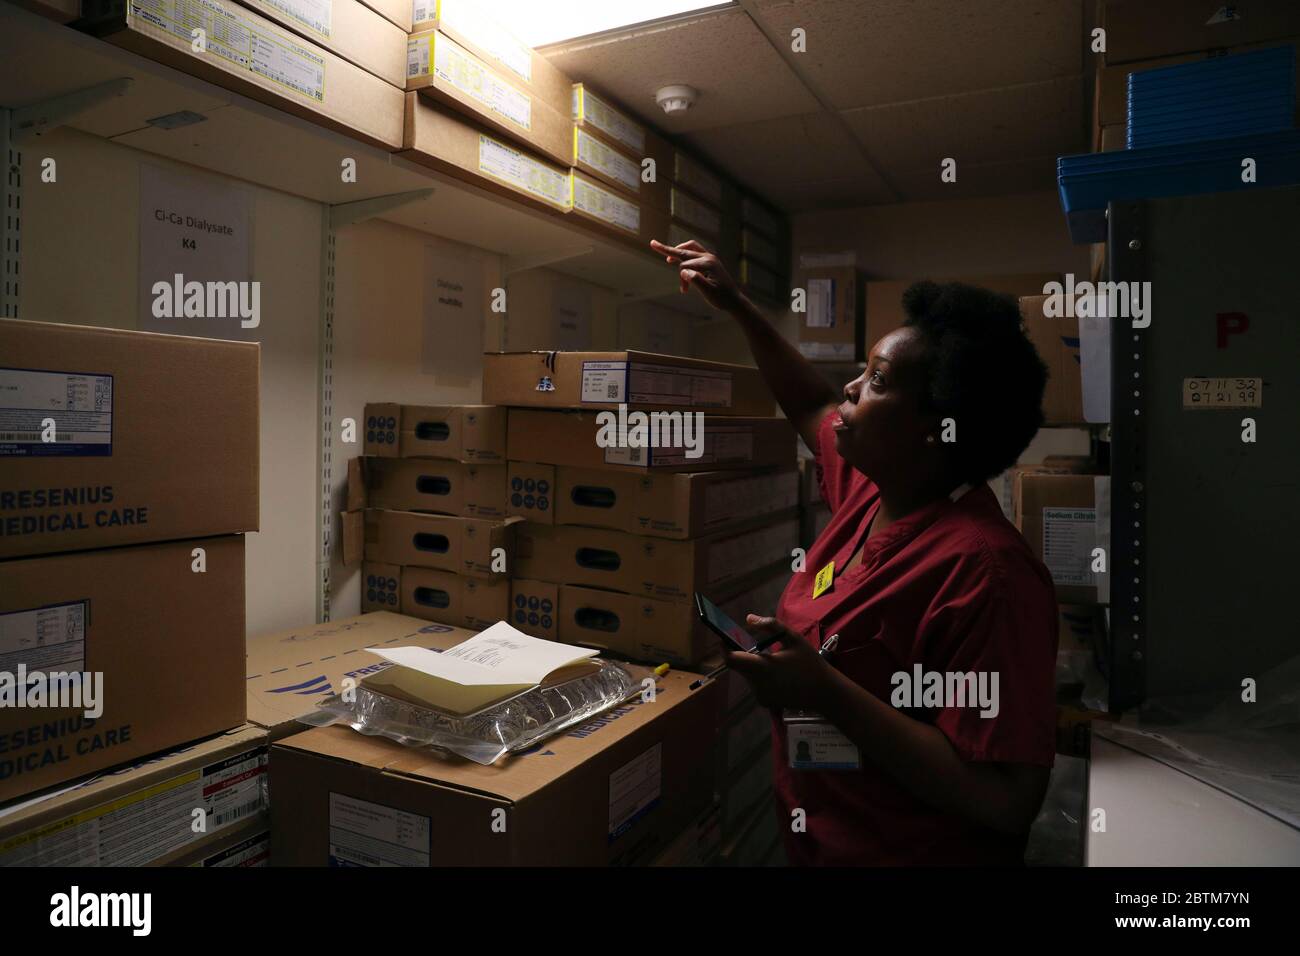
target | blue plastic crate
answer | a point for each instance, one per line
(1088, 182)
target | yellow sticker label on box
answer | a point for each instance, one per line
(825, 578)
(1223, 392)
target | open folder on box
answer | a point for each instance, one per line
(490, 667)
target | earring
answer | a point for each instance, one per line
(929, 439)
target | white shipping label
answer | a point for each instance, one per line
(634, 790)
(605, 206)
(821, 304)
(417, 56)
(315, 15)
(670, 385)
(370, 834)
(1223, 392)
(726, 501)
(608, 160)
(610, 121)
(455, 66)
(148, 824)
(695, 213)
(1069, 535)
(235, 37)
(604, 382)
(465, 17)
(512, 166)
(44, 638)
(80, 404)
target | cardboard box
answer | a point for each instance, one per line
(574, 438)
(1114, 138)
(451, 144)
(810, 490)
(648, 327)
(697, 845)
(441, 596)
(427, 484)
(478, 32)
(143, 814)
(640, 380)
(593, 157)
(697, 178)
(475, 434)
(614, 214)
(666, 569)
(346, 27)
(439, 68)
(813, 522)
(1007, 485)
(884, 298)
(246, 845)
(599, 116)
(631, 626)
(694, 214)
(762, 218)
(168, 642)
(1142, 29)
(441, 542)
(615, 790)
(283, 70)
(1058, 516)
(831, 327)
(288, 672)
(762, 281)
(157, 437)
(1057, 342)
(683, 505)
(397, 12)
(679, 233)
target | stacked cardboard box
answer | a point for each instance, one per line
(130, 474)
(615, 790)
(763, 253)
(619, 171)
(426, 513)
(618, 538)
(338, 65)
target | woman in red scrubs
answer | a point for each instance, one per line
(926, 736)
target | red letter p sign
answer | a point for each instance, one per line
(1230, 323)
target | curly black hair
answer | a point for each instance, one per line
(984, 373)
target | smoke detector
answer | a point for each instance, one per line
(676, 99)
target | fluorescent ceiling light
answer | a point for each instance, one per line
(538, 24)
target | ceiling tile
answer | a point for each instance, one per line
(723, 55)
(984, 127)
(983, 179)
(865, 54)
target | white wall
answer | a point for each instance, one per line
(389, 348)
(79, 265)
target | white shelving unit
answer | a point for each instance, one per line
(343, 260)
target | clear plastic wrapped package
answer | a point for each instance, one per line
(508, 726)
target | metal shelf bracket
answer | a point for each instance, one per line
(349, 213)
(513, 264)
(28, 122)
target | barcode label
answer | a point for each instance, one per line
(55, 413)
(604, 382)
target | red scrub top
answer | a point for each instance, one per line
(953, 587)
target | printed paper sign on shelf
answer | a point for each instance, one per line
(196, 257)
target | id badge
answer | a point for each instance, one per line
(812, 743)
